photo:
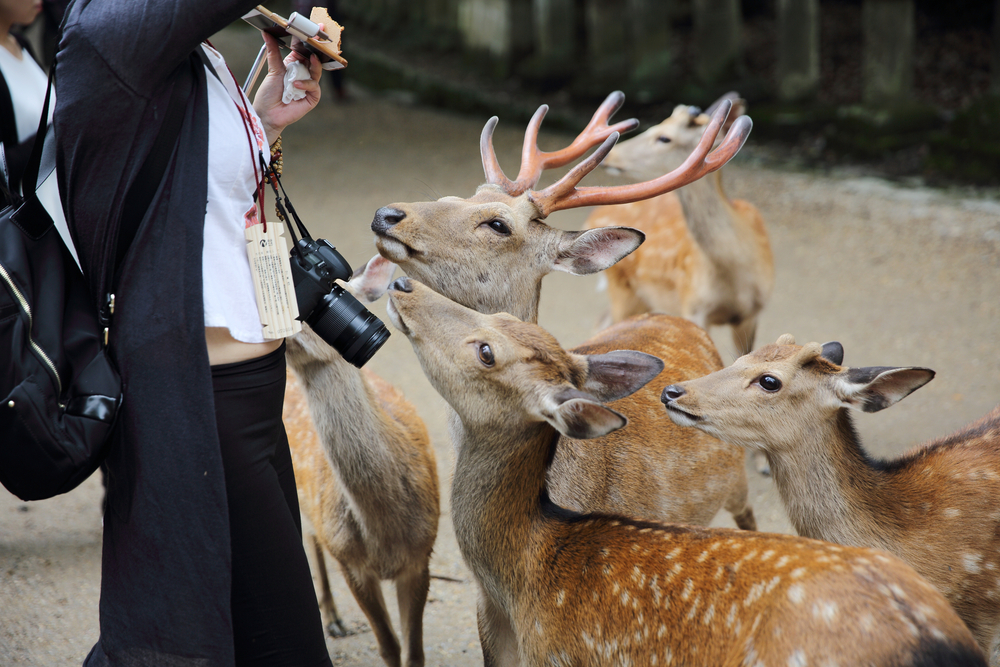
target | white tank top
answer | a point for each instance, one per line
(228, 286)
(26, 82)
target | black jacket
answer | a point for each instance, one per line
(165, 586)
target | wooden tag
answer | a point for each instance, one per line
(272, 280)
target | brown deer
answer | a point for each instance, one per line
(367, 480)
(937, 507)
(567, 589)
(490, 252)
(706, 258)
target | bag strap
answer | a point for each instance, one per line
(35, 159)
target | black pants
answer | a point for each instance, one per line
(276, 618)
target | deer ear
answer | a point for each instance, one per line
(617, 374)
(833, 351)
(594, 250)
(371, 281)
(583, 419)
(877, 387)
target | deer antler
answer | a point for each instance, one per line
(564, 194)
(534, 161)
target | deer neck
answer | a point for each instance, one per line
(711, 219)
(832, 491)
(496, 495)
(352, 430)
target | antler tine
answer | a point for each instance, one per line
(534, 161)
(566, 186)
(494, 174)
(560, 196)
(731, 145)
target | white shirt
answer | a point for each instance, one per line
(229, 296)
(26, 82)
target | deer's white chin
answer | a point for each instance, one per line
(392, 249)
(680, 417)
(395, 318)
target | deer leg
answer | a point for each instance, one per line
(331, 618)
(367, 591)
(496, 635)
(411, 595)
(738, 504)
(743, 335)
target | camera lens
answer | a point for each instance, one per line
(344, 323)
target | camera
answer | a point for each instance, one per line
(331, 311)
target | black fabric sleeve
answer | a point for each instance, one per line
(143, 42)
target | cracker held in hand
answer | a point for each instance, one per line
(330, 27)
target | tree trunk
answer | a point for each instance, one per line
(798, 49)
(556, 32)
(889, 29)
(995, 65)
(717, 27)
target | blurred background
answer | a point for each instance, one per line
(909, 87)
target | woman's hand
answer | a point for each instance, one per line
(275, 114)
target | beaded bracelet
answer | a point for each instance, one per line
(276, 158)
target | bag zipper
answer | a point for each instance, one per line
(34, 346)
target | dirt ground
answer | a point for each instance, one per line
(900, 276)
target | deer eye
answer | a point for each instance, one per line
(499, 226)
(664, 140)
(486, 355)
(769, 383)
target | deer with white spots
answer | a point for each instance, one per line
(937, 507)
(558, 588)
(490, 252)
(367, 480)
(706, 258)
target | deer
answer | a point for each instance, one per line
(706, 258)
(935, 507)
(556, 587)
(490, 252)
(367, 480)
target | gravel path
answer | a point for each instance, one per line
(900, 276)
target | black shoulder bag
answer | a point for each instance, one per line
(62, 392)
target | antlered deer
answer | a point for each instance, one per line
(560, 588)
(936, 507)
(706, 258)
(367, 479)
(491, 251)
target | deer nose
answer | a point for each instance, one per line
(385, 218)
(672, 393)
(402, 284)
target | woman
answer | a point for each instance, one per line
(22, 89)
(203, 561)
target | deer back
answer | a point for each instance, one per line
(652, 469)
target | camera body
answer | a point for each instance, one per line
(331, 311)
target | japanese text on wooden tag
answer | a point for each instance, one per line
(272, 280)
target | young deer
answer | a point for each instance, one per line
(937, 507)
(560, 588)
(706, 258)
(367, 480)
(491, 251)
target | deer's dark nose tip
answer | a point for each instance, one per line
(672, 393)
(385, 218)
(402, 284)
